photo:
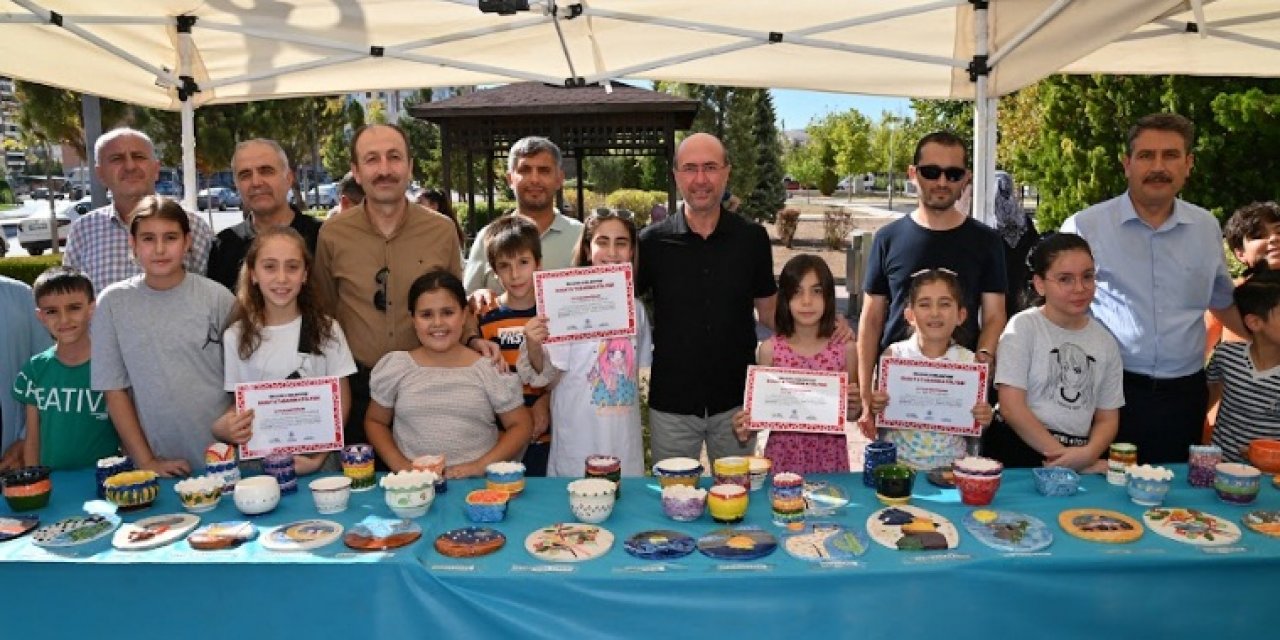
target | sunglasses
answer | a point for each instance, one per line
(605, 213)
(933, 172)
(380, 296)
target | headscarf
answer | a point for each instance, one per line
(1011, 220)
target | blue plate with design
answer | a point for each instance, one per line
(659, 544)
(16, 526)
(741, 543)
(825, 541)
(1008, 531)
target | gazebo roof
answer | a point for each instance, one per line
(538, 99)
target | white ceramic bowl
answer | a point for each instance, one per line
(199, 494)
(331, 493)
(410, 493)
(256, 495)
(591, 499)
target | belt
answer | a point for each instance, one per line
(1193, 381)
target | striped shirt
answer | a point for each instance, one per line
(98, 244)
(1250, 406)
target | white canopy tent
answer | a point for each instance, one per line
(180, 54)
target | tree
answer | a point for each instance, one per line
(55, 114)
(424, 141)
(376, 113)
(827, 179)
(739, 140)
(955, 116)
(769, 194)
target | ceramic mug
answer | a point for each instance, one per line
(357, 464)
(876, 454)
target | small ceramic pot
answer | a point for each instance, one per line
(27, 488)
(677, 471)
(409, 493)
(732, 470)
(1122, 456)
(257, 495)
(977, 490)
(201, 494)
(132, 489)
(683, 503)
(591, 499)
(605, 466)
(787, 484)
(894, 483)
(435, 464)
(280, 467)
(727, 503)
(228, 471)
(758, 470)
(484, 505)
(1148, 485)
(331, 494)
(788, 511)
(1056, 481)
(876, 454)
(1265, 455)
(108, 467)
(357, 464)
(1201, 461)
(1236, 482)
(504, 472)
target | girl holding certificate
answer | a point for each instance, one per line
(277, 331)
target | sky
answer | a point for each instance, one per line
(796, 108)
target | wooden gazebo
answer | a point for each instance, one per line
(583, 121)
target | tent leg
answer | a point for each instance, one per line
(189, 177)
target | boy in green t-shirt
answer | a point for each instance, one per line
(67, 422)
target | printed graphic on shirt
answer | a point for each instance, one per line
(61, 400)
(1074, 375)
(613, 378)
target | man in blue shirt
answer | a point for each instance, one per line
(1160, 266)
(22, 337)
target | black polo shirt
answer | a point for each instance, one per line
(232, 243)
(704, 292)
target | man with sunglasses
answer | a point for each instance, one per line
(1160, 267)
(935, 235)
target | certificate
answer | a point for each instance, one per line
(932, 395)
(587, 303)
(795, 399)
(291, 416)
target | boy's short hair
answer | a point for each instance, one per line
(1259, 295)
(57, 280)
(510, 235)
(1250, 222)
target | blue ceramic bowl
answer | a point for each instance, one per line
(504, 472)
(1237, 483)
(1056, 481)
(486, 505)
(1148, 493)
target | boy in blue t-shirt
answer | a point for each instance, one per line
(1246, 375)
(67, 422)
(514, 251)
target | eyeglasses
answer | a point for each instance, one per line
(709, 168)
(933, 172)
(605, 213)
(380, 296)
(934, 271)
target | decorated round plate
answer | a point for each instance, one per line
(569, 542)
(470, 542)
(825, 541)
(376, 533)
(303, 535)
(156, 531)
(1191, 526)
(909, 528)
(1264, 521)
(737, 543)
(1008, 530)
(660, 544)
(76, 530)
(822, 498)
(222, 535)
(942, 477)
(15, 526)
(1100, 525)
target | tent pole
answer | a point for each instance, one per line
(186, 93)
(984, 163)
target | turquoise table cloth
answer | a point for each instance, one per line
(1154, 587)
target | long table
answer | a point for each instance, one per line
(1154, 587)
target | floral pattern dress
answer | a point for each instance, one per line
(808, 452)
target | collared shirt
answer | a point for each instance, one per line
(232, 243)
(704, 292)
(1154, 285)
(350, 253)
(98, 244)
(559, 242)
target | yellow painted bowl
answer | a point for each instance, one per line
(727, 503)
(132, 489)
(512, 488)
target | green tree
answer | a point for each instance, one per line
(802, 162)
(769, 195)
(376, 113)
(54, 115)
(949, 115)
(424, 141)
(739, 140)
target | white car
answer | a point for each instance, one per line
(33, 231)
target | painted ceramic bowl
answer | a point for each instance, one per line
(677, 471)
(591, 499)
(1237, 483)
(409, 493)
(978, 466)
(331, 494)
(513, 488)
(27, 488)
(201, 494)
(727, 503)
(894, 483)
(788, 484)
(732, 470)
(977, 490)
(504, 472)
(107, 467)
(758, 470)
(1265, 455)
(132, 489)
(485, 505)
(683, 503)
(1148, 485)
(257, 495)
(1056, 481)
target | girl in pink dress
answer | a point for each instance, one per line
(805, 318)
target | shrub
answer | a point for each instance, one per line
(788, 221)
(638, 202)
(26, 268)
(837, 222)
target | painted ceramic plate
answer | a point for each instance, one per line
(156, 531)
(376, 533)
(222, 535)
(1191, 526)
(76, 530)
(1264, 521)
(1100, 525)
(15, 526)
(740, 543)
(942, 477)
(569, 542)
(825, 541)
(303, 535)
(470, 542)
(909, 528)
(1008, 530)
(661, 544)
(823, 498)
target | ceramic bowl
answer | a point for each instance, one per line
(727, 503)
(257, 495)
(1265, 455)
(409, 493)
(788, 484)
(1148, 485)
(27, 488)
(331, 494)
(758, 470)
(1236, 482)
(200, 494)
(591, 499)
(978, 466)
(732, 470)
(513, 488)
(504, 472)
(1056, 481)
(683, 503)
(107, 467)
(132, 489)
(894, 483)
(677, 471)
(484, 505)
(977, 490)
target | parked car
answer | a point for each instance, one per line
(170, 189)
(325, 195)
(231, 198)
(211, 198)
(33, 231)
